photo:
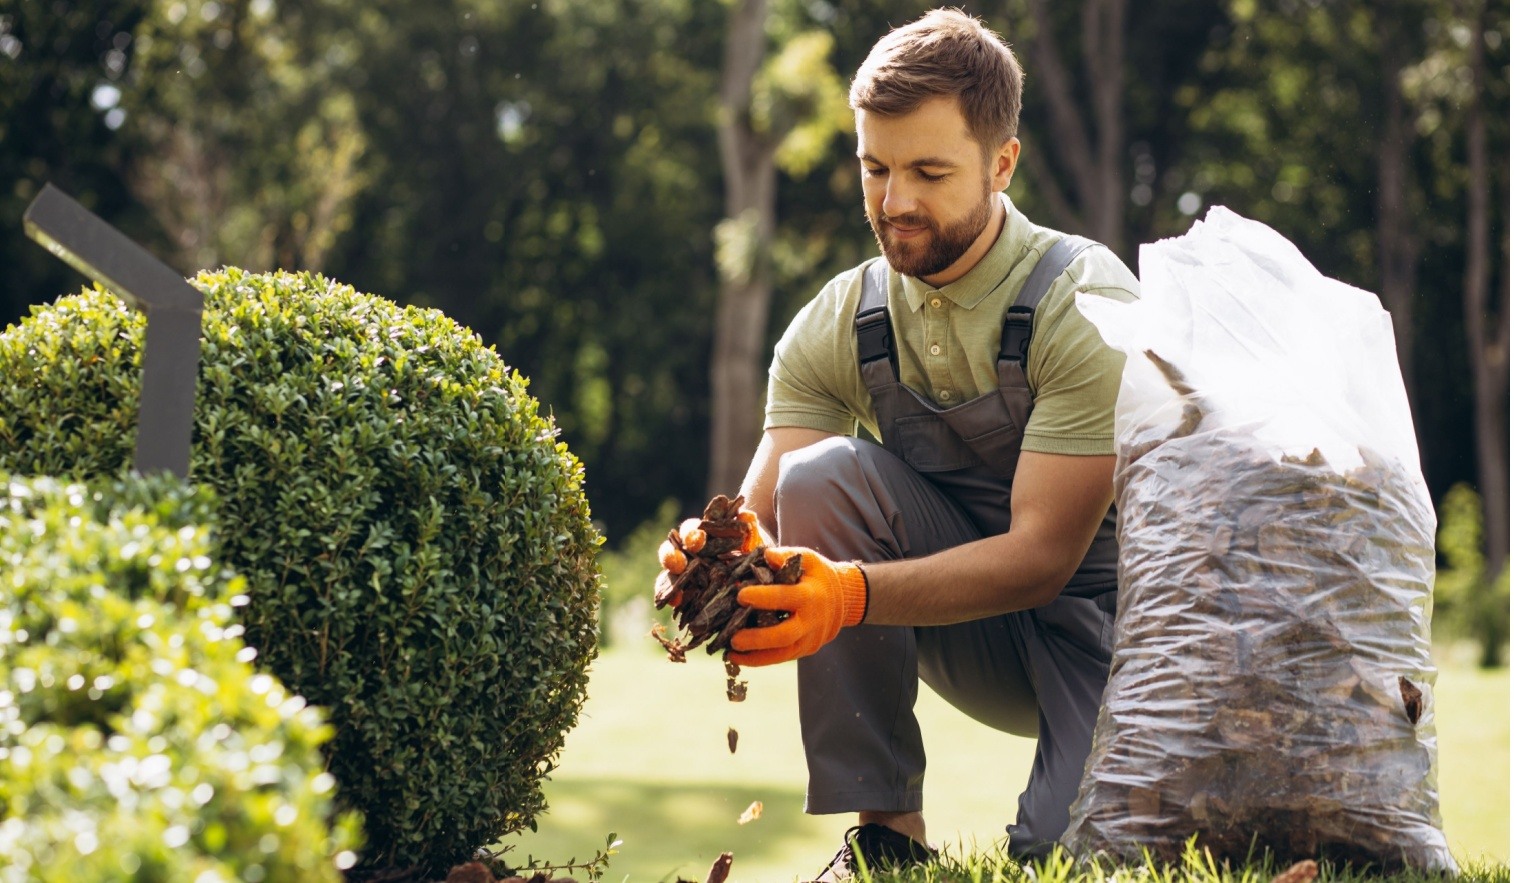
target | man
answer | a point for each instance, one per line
(974, 548)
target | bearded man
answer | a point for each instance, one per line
(972, 546)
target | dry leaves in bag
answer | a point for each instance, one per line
(1270, 679)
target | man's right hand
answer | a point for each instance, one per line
(675, 561)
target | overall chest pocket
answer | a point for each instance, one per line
(928, 444)
(991, 429)
(981, 433)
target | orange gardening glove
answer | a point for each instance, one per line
(673, 560)
(828, 596)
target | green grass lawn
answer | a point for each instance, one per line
(649, 762)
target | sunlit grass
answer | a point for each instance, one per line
(1197, 866)
(649, 762)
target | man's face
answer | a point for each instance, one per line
(928, 190)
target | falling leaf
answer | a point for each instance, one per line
(720, 869)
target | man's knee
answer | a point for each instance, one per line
(817, 468)
(817, 485)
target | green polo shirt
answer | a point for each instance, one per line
(948, 345)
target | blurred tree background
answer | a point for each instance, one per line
(629, 199)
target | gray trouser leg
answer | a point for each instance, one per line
(1067, 645)
(850, 499)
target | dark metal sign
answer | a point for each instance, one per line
(171, 354)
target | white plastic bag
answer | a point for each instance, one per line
(1271, 685)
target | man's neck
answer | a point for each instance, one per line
(975, 253)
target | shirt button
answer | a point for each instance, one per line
(935, 349)
(936, 302)
(944, 395)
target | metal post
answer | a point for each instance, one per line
(171, 352)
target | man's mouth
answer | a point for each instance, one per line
(904, 232)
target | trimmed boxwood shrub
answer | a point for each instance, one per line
(136, 739)
(416, 542)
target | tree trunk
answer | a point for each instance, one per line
(1487, 341)
(751, 179)
(1398, 247)
(1093, 202)
(1104, 65)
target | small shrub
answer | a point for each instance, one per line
(136, 739)
(416, 543)
(1469, 604)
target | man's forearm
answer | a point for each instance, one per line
(762, 475)
(987, 577)
(1058, 502)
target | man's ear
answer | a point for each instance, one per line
(1002, 163)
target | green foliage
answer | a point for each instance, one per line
(593, 867)
(1469, 603)
(545, 170)
(1197, 866)
(272, 183)
(1274, 95)
(138, 742)
(52, 59)
(546, 175)
(799, 95)
(416, 543)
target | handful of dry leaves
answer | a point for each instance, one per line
(1271, 683)
(703, 596)
(705, 609)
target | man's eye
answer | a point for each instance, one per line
(874, 173)
(927, 176)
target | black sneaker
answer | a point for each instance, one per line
(877, 847)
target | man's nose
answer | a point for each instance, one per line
(898, 198)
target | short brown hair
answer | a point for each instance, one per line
(944, 52)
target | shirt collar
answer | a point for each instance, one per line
(987, 275)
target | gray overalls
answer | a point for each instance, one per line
(942, 478)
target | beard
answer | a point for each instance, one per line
(940, 247)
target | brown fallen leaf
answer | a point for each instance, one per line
(1300, 872)
(752, 814)
(735, 690)
(730, 738)
(1414, 699)
(675, 649)
(721, 869)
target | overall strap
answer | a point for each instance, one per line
(1015, 342)
(875, 336)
